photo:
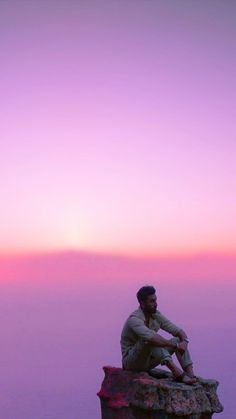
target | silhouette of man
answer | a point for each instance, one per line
(143, 348)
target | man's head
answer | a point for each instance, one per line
(147, 299)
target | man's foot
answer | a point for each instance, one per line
(185, 379)
(178, 374)
(189, 371)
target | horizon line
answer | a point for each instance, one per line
(115, 254)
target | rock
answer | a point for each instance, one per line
(130, 395)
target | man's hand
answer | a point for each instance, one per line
(182, 346)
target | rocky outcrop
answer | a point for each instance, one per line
(130, 395)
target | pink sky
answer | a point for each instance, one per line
(89, 268)
(118, 127)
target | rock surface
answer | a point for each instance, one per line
(130, 395)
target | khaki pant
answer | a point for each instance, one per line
(145, 356)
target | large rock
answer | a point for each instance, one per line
(130, 395)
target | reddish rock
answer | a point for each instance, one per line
(130, 395)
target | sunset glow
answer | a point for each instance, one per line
(118, 128)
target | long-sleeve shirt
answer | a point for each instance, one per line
(135, 329)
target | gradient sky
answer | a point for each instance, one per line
(118, 126)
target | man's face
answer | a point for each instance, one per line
(150, 304)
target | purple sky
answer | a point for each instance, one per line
(118, 126)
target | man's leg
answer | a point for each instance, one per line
(159, 356)
(163, 356)
(187, 367)
(185, 360)
(138, 358)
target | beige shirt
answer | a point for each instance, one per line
(135, 329)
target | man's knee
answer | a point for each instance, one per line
(159, 356)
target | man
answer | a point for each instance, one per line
(143, 348)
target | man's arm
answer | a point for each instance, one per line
(182, 346)
(174, 330)
(182, 335)
(141, 330)
(167, 325)
(158, 340)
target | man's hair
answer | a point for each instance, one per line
(144, 292)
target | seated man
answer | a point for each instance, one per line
(143, 348)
